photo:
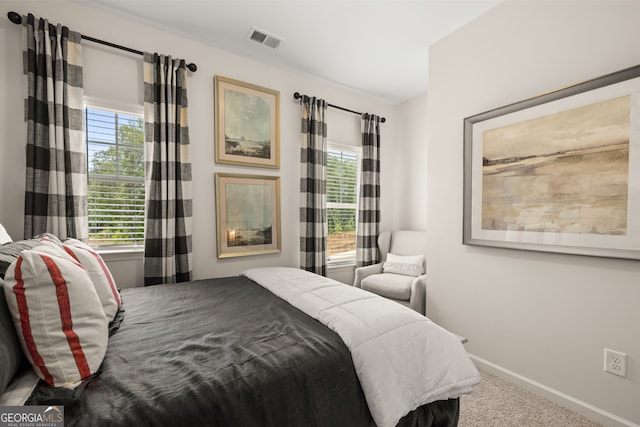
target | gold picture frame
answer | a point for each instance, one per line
(247, 214)
(247, 124)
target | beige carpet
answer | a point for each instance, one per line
(495, 402)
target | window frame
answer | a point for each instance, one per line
(118, 108)
(341, 261)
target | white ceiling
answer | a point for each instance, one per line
(379, 47)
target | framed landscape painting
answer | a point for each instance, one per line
(558, 172)
(248, 214)
(247, 124)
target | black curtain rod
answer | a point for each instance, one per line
(16, 18)
(297, 95)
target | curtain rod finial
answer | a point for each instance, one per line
(192, 67)
(14, 17)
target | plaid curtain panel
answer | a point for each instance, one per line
(369, 202)
(313, 186)
(168, 203)
(56, 175)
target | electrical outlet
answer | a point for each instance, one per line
(615, 362)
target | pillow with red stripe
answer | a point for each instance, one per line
(57, 314)
(99, 274)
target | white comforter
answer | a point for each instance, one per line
(403, 360)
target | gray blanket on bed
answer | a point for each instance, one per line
(220, 352)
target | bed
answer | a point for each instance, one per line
(253, 350)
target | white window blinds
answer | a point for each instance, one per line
(342, 202)
(115, 153)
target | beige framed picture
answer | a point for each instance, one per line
(247, 124)
(248, 214)
(557, 173)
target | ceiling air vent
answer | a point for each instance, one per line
(263, 37)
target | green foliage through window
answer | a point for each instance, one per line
(115, 149)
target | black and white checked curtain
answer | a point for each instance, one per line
(56, 175)
(369, 203)
(313, 186)
(168, 203)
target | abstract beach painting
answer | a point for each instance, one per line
(566, 172)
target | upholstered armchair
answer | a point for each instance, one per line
(400, 276)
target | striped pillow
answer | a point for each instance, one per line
(57, 314)
(99, 274)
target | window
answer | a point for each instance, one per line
(115, 154)
(343, 178)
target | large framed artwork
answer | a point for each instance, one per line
(247, 124)
(248, 214)
(559, 172)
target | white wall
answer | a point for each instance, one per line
(544, 317)
(110, 64)
(411, 164)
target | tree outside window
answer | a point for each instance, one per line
(115, 148)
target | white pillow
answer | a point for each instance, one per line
(99, 274)
(412, 265)
(57, 314)
(4, 236)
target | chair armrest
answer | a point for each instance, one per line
(362, 272)
(418, 298)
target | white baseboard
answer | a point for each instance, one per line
(583, 408)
